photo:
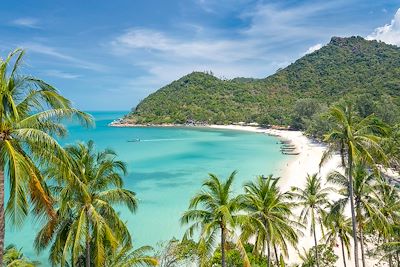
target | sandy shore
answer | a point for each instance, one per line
(298, 166)
(294, 174)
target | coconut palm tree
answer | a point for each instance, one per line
(354, 138)
(128, 257)
(13, 257)
(268, 217)
(338, 227)
(387, 197)
(392, 248)
(312, 198)
(366, 206)
(211, 211)
(87, 224)
(30, 116)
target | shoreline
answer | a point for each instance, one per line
(293, 172)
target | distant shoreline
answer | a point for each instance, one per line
(121, 124)
(293, 170)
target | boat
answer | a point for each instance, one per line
(288, 146)
(290, 153)
(134, 140)
(288, 149)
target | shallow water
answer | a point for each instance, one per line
(166, 168)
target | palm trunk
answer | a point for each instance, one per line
(343, 253)
(268, 253)
(223, 263)
(397, 259)
(315, 242)
(87, 242)
(362, 246)
(360, 231)
(2, 219)
(256, 248)
(353, 216)
(390, 255)
(276, 255)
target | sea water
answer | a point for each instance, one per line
(166, 168)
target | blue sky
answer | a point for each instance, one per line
(108, 55)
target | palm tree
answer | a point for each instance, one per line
(268, 216)
(388, 200)
(354, 138)
(313, 198)
(30, 116)
(86, 220)
(127, 257)
(211, 210)
(338, 226)
(13, 257)
(366, 207)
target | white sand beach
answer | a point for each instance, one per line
(294, 174)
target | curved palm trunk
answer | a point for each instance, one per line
(2, 221)
(87, 242)
(223, 238)
(316, 244)
(343, 253)
(353, 215)
(276, 255)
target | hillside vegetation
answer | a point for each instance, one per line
(367, 72)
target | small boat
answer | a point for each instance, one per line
(290, 153)
(288, 146)
(287, 149)
(134, 140)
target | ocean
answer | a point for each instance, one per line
(166, 168)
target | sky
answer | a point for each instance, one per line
(109, 55)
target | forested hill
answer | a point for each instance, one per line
(367, 71)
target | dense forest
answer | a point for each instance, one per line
(367, 72)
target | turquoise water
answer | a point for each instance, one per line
(166, 168)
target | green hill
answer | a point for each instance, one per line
(366, 71)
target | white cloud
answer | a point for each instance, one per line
(61, 74)
(26, 22)
(53, 52)
(313, 48)
(157, 43)
(389, 33)
(286, 24)
(253, 50)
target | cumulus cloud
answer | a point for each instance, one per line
(26, 22)
(389, 33)
(313, 48)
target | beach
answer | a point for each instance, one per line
(294, 173)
